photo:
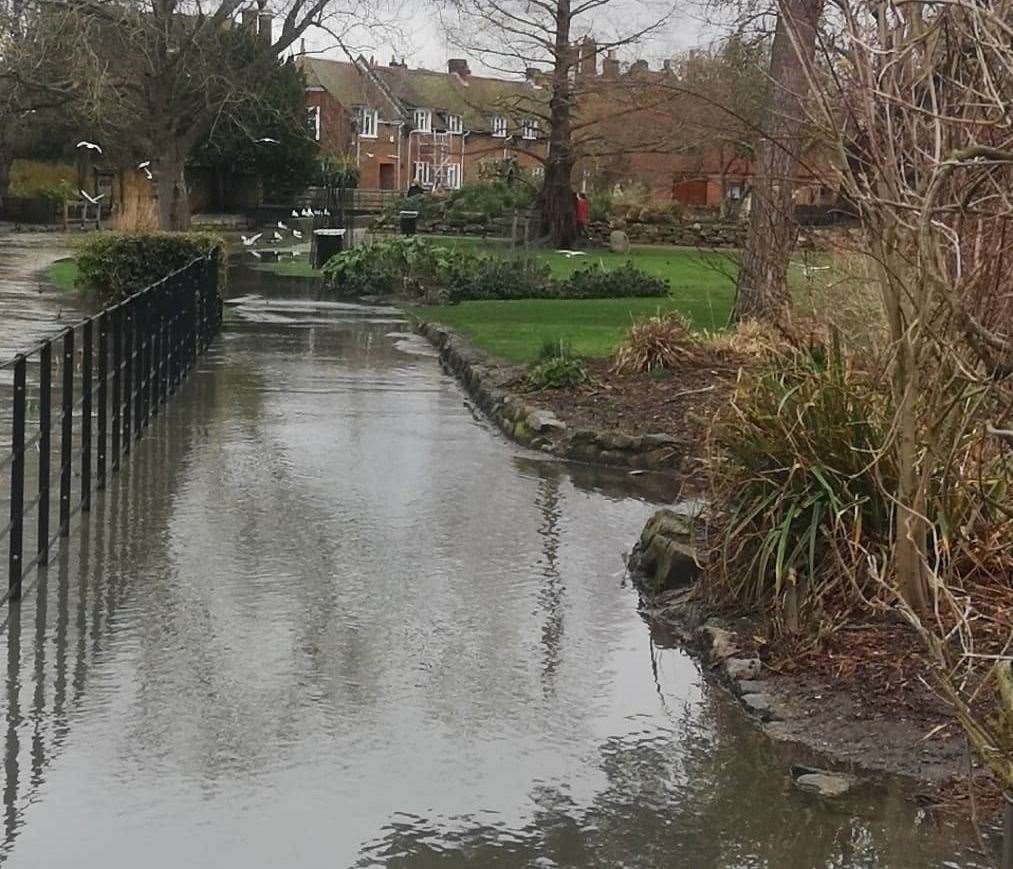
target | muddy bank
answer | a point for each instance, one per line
(860, 698)
(614, 421)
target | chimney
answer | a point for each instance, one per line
(458, 65)
(249, 20)
(265, 25)
(610, 66)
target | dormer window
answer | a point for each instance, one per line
(455, 124)
(499, 127)
(367, 123)
(422, 121)
(529, 129)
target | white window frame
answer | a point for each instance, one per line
(368, 122)
(422, 121)
(499, 127)
(422, 172)
(529, 129)
(313, 113)
(452, 176)
(455, 124)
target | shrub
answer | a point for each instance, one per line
(802, 479)
(118, 264)
(600, 206)
(554, 348)
(558, 373)
(495, 277)
(627, 281)
(657, 342)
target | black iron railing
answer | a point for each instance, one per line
(116, 369)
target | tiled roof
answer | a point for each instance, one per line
(475, 98)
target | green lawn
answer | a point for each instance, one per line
(62, 274)
(516, 330)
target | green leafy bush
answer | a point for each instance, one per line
(118, 264)
(554, 348)
(496, 277)
(627, 281)
(558, 373)
(409, 266)
(600, 206)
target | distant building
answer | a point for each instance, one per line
(403, 126)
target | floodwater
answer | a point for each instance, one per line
(326, 617)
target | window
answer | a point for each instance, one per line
(734, 191)
(454, 124)
(423, 173)
(313, 122)
(423, 120)
(529, 129)
(452, 174)
(499, 127)
(367, 123)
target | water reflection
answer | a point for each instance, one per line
(328, 618)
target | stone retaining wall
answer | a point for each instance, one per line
(538, 428)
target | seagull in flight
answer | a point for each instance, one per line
(91, 146)
(296, 233)
(144, 168)
(307, 212)
(281, 225)
(295, 213)
(277, 235)
(250, 240)
(266, 140)
(256, 253)
(92, 199)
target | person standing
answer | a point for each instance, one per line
(583, 215)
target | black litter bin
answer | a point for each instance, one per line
(326, 243)
(409, 222)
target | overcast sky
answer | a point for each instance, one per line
(424, 44)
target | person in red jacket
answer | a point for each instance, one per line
(583, 215)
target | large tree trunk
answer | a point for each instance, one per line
(556, 199)
(762, 285)
(171, 193)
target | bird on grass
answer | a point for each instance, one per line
(250, 240)
(571, 253)
(91, 146)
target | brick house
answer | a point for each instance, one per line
(403, 125)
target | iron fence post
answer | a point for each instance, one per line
(102, 400)
(45, 449)
(16, 539)
(117, 320)
(87, 335)
(67, 433)
(128, 373)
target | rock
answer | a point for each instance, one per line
(761, 705)
(619, 241)
(658, 440)
(720, 642)
(665, 556)
(614, 440)
(826, 784)
(741, 669)
(544, 421)
(752, 686)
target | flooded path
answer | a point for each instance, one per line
(328, 618)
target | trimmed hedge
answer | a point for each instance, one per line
(118, 264)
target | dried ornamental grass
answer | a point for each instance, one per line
(657, 342)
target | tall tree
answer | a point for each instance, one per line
(171, 70)
(762, 283)
(514, 36)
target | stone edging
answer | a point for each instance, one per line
(537, 428)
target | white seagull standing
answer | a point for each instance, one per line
(295, 213)
(571, 253)
(307, 212)
(91, 146)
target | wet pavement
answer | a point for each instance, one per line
(327, 617)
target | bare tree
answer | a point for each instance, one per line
(914, 97)
(168, 70)
(762, 283)
(517, 35)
